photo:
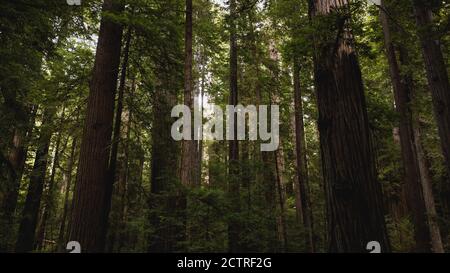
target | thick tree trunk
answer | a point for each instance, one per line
(17, 157)
(15, 164)
(15, 167)
(402, 95)
(302, 179)
(27, 228)
(233, 169)
(89, 206)
(436, 73)
(6, 214)
(353, 194)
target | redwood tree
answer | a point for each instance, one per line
(187, 163)
(90, 193)
(234, 182)
(302, 179)
(402, 87)
(353, 195)
(116, 139)
(28, 223)
(436, 71)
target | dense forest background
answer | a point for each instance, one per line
(86, 152)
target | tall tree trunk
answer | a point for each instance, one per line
(67, 179)
(199, 93)
(282, 228)
(402, 95)
(27, 228)
(353, 195)
(16, 162)
(187, 164)
(49, 198)
(116, 139)
(268, 175)
(435, 234)
(302, 179)
(164, 162)
(188, 153)
(89, 206)
(278, 154)
(122, 174)
(436, 72)
(123, 193)
(233, 171)
(6, 217)
(296, 187)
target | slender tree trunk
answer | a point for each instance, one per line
(233, 181)
(200, 149)
(116, 139)
(88, 225)
(278, 154)
(164, 162)
(202, 93)
(48, 199)
(47, 203)
(27, 228)
(118, 116)
(67, 179)
(246, 177)
(282, 228)
(297, 192)
(188, 154)
(126, 117)
(302, 179)
(187, 165)
(268, 175)
(355, 213)
(123, 193)
(435, 234)
(402, 94)
(436, 72)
